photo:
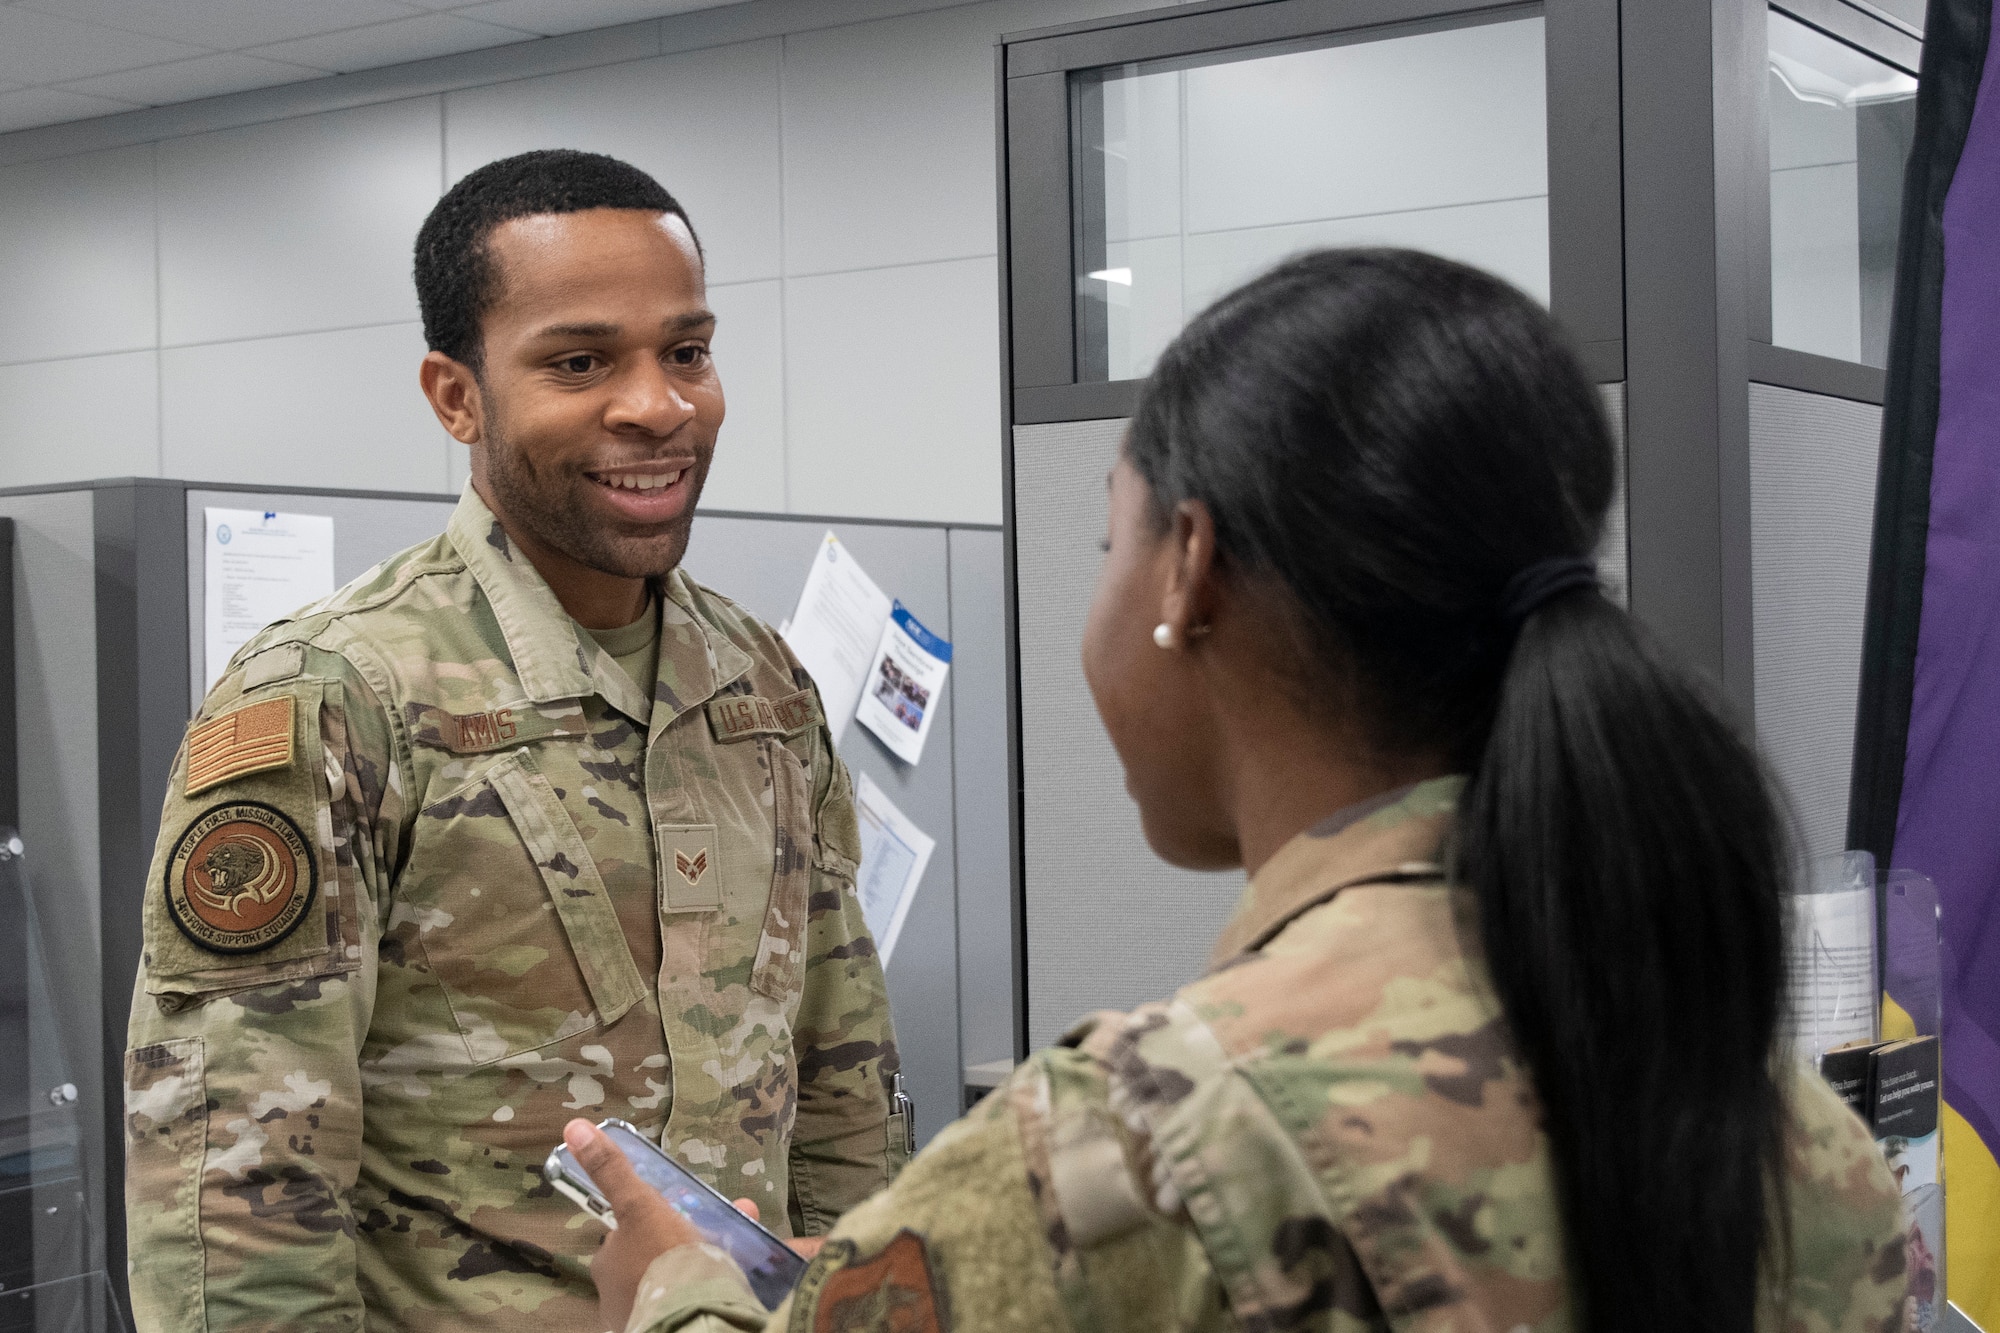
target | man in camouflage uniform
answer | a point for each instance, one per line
(1328, 1131)
(442, 865)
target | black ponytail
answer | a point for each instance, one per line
(1389, 440)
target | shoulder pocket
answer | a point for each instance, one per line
(242, 887)
(513, 918)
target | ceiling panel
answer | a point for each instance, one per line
(186, 80)
(41, 49)
(392, 43)
(225, 25)
(63, 60)
(44, 106)
(577, 15)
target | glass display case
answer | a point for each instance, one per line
(50, 1280)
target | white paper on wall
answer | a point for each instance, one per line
(835, 628)
(258, 566)
(894, 852)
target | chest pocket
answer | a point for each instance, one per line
(514, 920)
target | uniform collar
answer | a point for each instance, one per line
(555, 660)
(1397, 835)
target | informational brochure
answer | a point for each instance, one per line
(834, 628)
(1830, 963)
(258, 566)
(904, 681)
(894, 852)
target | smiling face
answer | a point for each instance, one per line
(593, 419)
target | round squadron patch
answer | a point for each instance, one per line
(240, 879)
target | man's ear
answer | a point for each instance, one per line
(455, 395)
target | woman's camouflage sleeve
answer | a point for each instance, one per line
(1023, 1216)
(243, 1098)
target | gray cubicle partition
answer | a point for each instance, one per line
(107, 622)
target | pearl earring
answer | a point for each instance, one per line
(1163, 635)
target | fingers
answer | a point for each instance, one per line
(748, 1207)
(806, 1246)
(613, 1175)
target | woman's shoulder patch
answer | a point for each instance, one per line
(891, 1288)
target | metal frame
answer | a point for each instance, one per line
(1038, 188)
(1769, 363)
(10, 743)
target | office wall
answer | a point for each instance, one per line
(1812, 509)
(221, 291)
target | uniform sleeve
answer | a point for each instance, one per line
(845, 1143)
(1029, 1213)
(1850, 1266)
(915, 1257)
(243, 1097)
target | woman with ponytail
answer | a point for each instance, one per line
(1492, 1040)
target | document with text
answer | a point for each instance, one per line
(258, 566)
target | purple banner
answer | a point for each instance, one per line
(1949, 823)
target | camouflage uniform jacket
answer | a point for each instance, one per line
(1327, 1131)
(435, 876)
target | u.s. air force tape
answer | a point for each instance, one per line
(241, 878)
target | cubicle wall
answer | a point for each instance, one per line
(1624, 163)
(108, 610)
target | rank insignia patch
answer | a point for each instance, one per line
(248, 740)
(890, 1289)
(240, 879)
(691, 868)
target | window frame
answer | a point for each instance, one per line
(1788, 367)
(1037, 201)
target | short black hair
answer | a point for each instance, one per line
(454, 269)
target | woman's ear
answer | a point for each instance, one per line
(1189, 603)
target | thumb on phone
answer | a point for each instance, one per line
(646, 1225)
(608, 1169)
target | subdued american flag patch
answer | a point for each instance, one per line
(248, 740)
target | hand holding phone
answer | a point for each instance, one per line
(652, 1177)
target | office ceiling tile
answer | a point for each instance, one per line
(25, 108)
(189, 80)
(85, 58)
(225, 25)
(41, 49)
(393, 43)
(549, 19)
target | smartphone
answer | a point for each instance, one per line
(768, 1262)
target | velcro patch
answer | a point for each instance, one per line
(690, 869)
(891, 1288)
(247, 740)
(493, 729)
(240, 879)
(738, 717)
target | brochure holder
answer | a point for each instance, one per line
(1912, 1006)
